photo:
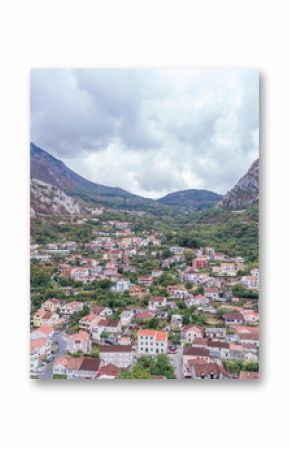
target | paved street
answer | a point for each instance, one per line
(176, 360)
(60, 339)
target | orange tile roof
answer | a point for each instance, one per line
(89, 317)
(47, 330)
(34, 344)
(82, 336)
(159, 335)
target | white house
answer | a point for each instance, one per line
(106, 325)
(79, 342)
(156, 302)
(122, 285)
(152, 342)
(191, 332)
(118, 355)
(126, 317)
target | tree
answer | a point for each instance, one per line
(251, 366)
(234, 366)
(149, 367)
(242, 292)
(153, 323)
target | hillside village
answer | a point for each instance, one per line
(123, 303)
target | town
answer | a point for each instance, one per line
(122, 303)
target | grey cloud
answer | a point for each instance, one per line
(166, 129)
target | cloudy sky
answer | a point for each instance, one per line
(149, 131)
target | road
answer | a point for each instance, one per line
(60, 339)
(176, 360)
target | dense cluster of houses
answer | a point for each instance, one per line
(105, 343)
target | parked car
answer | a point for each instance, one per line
(110, 341)
(172, 349)
(50, 358)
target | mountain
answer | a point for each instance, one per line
(50, 170)
(46, 199)
(245, 192)
(191, 199)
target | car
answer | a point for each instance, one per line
(55, 348)
(172, 351)
(110, 341)
(50, 358)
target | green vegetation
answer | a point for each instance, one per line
(150, 367)
(59, 376)
(242, 292)
(236, 366)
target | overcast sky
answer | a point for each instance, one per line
(149, 131)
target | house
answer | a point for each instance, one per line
(118, 355)
(249, 375)
(126, 317)
(195, 353)
(251, 282)
(89, 321)
(162, 315)
(125, 339)
(176, 321)
(65, 269)
(79, 342)
(136, 290)
(249, 338)
(88, 369)
(151, 342)
(198, 369)
(250, 316)
(211, 293)
(219, 349)
(44, 331)
(51, 304)
(44, 317)
(107, 326)
(156, 302)
(190, 333)
(80, 274)
(178, 250)
(157, 273)
(200, 300)
(77, 368)
(215, 332)
(72, 307)
(108, 372)
(200, 342)
(210, 252)
(189, 301)
(175, 291)
(189, 275)
(122, 285)
(102, 311)
(39, 349)
(144, 316)
(145, 280)
(233, 318)
(200, 263)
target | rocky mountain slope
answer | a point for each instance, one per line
(46, 199)
(50, 170)
(191, 199)
(245, 192)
